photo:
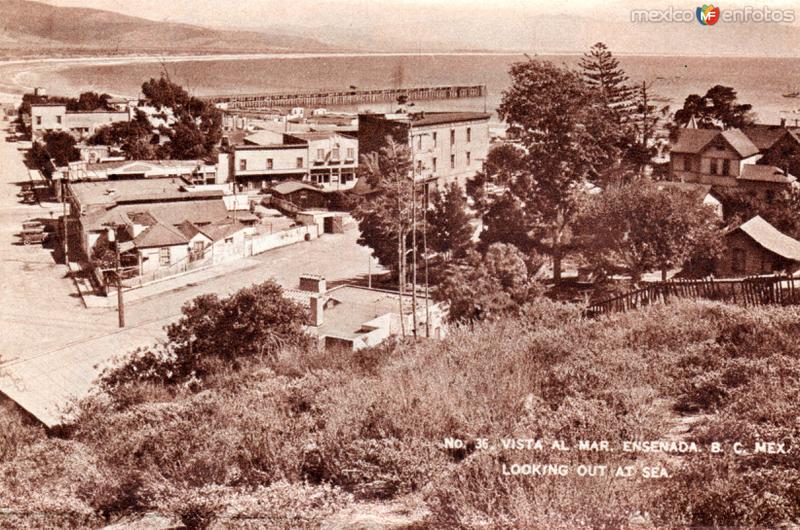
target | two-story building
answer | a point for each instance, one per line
(47, 117)
(724, 158)
(446, 146)
(327, 158)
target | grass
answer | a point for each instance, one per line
(286, 442)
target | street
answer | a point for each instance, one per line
(52, 347)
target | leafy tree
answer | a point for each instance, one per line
(449, 231)
(256, 321)
(638, 228)
(89, 101)
(483, 287)
(60, 146)
(781, 212)
(500, 224)
(717, 109)
(569, 136)
(385, 220)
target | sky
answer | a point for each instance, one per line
(357, 13)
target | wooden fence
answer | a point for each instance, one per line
(754, 291)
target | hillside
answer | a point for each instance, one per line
(306, 439)
(34, 27)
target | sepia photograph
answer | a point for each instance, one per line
(399, 265)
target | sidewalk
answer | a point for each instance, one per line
(173, 283)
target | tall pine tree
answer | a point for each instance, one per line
(602, 72)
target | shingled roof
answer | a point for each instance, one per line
(159, 235)
(694, 141)
(770, 238)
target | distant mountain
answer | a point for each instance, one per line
(34, 27)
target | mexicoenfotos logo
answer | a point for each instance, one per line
(708, 15)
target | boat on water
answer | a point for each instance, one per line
(793, 94)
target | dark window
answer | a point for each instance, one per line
(452, 136)
(737, 260)
(300, 162)
(469, 158)
(452, 161)
(687, 163)
(433, 165)
(726, 166)
(38, 120)
(269, 163)
(163, 256)
(469, 134)
(714, 166)
(242, 165)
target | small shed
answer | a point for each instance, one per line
(756, 247)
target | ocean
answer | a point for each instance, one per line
(759, 81)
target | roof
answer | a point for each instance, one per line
(770, 238)
(290, 186)
(764, 136)
(765, 174)
(111, 192)
(222, 229)
(694, 141)
(264, 138)
(200, 212)
(437, 118)
(348, 308)
(698, 190)
(143, 165)
(160, 235)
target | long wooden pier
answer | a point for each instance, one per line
(318, 98)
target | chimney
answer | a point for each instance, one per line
(317, 304)
(313, 283)
(783, 122)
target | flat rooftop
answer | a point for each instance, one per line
(348, 308)
(112, 192)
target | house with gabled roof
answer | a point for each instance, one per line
(756, 247)
(729, 158)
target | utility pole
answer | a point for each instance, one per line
(117, 273)
(64, 216)
(120, 304)
(414, 235)
(425, 257)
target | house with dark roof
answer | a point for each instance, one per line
(778, 144)
(756, 247)
(446, 146)
(728, 158)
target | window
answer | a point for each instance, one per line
(469, 157)
(714, 166)
(687, 163)
(433, 164)
(737, 260)
(419, 166)
(452, 136)
(419, 142)
(163, 256)
(469, 134)
(452, 161)
(435, 140)
(58, 119)
(269, 163)
(335, 153)
(242, 165)
(351, 153)
(726, 166)
(299, 162)
(320, 154)
(38, 120)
